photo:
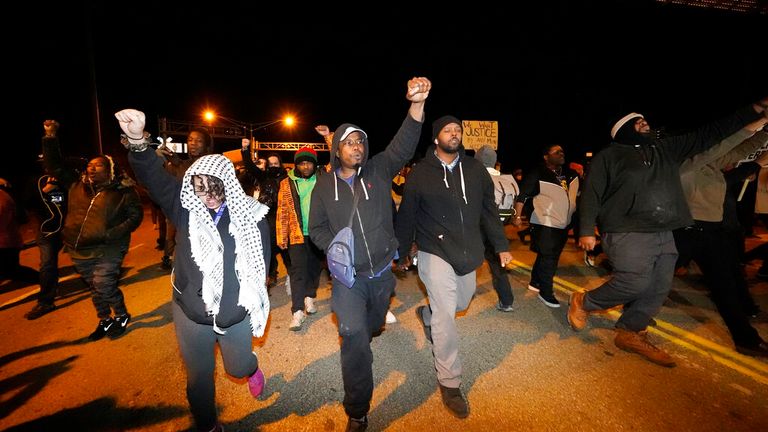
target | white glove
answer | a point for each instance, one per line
(132, 123)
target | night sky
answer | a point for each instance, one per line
(548, 73)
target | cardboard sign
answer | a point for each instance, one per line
(478, 133)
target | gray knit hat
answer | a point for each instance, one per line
(487, 155)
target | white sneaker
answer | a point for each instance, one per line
(391, 318)
(288, 285)
(309, 305)
(297, 321)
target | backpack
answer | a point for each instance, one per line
(505, 191)
(341, 257)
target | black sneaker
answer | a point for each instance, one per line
(166, 263)
(427, 329)
(454, 401)
(357, 425)
(549, 300)
(39, 310)
(101, 330)
(118, 329)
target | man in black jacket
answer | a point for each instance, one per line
(634, 191)
(361, 309)
(448, 205)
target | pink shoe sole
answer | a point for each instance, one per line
(256, 383)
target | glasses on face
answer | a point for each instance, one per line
(201, 191)
(351, 142)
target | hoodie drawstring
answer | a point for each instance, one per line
(445, 176)
(335, 187)
(463, 187)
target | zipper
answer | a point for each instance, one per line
(85, 219)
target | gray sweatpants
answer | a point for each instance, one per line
(448, 293)
(197, 343)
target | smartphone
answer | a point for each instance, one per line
(177, 147)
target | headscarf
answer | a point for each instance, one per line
(206, 244)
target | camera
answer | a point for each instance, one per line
(57, 198)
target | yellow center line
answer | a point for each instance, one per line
(710, 349)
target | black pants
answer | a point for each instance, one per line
(499, 276)
(305, 267)
(708, 244)
(548, 244)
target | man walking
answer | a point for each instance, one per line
(448, 204)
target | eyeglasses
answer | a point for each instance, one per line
(351, 142)
(201, 191)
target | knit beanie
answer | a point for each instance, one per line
(486, 155)
(440, 123)
(624, 121)
(305, 154)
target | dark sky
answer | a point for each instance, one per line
(548, 73)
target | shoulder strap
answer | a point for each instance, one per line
(354, 202)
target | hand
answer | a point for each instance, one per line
(418, 89)
(322, 130)
(50, 127)
(132, 122)
(404, 263)
(587, 242)
(505, 258)
(517, 221)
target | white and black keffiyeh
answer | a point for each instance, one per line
(207, 248)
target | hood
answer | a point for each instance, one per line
(213, 165)
(341, 133)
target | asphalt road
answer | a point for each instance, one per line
(524, 370)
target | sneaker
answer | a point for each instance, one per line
(589, 260)
(102, 329)
(532, 288)
(218, 428)
(504, 308)
(357, 425)
(759, 350)
(297, 320)
(309, 305)
(454, 401)
(577, 316)
(39, 310)
(118, 329)
(391, 318)
(166, 263)
(427, 329)
(256, 383)
(637, 342)
(550, 301)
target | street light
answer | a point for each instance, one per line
(211, 116)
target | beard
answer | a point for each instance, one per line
(452, 146)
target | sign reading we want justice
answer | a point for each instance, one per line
(478, 133)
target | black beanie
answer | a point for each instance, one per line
(440, 123)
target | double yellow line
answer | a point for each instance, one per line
(743, 364)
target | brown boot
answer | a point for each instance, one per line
(637, 342)
(577, 316)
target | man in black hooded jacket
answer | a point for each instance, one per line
(448, 207)
(633, 192)
(361, 310)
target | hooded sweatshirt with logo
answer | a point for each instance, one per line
(332, 198)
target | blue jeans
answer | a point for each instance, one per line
(49, 247)
(102, 276)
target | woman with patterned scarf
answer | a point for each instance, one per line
(219, 278)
